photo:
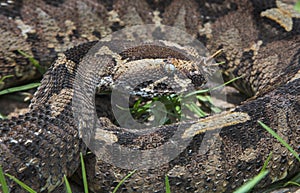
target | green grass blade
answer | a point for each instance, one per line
(214, 88)
(208, 99)
(19, 88)
(280, 140)
(68, 187)
(85, 184)
(168, 188)
(250, 184)
(266, 162)
(197, 92)
(294, 181)
(194, 108)
(2, 116)
(3, 182)
(123, 180)
(297, 6)
(226, 83)
(5, 77)
(24, 186)
(33, 61)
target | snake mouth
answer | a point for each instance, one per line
(150, 89)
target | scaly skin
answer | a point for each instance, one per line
(45, 141)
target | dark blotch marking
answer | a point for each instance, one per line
(143, 85)
(108, 4)
(116, 26)
(12, 10)
(202, 38)
(291, 88)
(61, 82)
(244, 69)
(152, 51)
(161, 86)
(296, 26)
(294, 65)
(33, 37)
(159, 5)
(60, 39)
(75, 33)
(55, 3)
(264, 24)
(77, 53)
(260, 5)
(212, 13)
(97, 34)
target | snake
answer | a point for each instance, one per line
(259, 42)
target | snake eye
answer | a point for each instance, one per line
(169, 67)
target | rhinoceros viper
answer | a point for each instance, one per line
(259, 39)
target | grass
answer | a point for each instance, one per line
(23, 185)
(5, 77)
(2, 116)
(248, 186)
(3, 181)
(68, 187)
(297, 6)
(19, 88)
(83, 172)
(123, 180)
(251, 183)
(285, 144)
(142, 110)
(167, 184)
(33, 61)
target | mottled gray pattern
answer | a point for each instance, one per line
(260, 40)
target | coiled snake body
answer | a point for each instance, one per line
(43, 145)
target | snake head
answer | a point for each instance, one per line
(158, 77)
(188, 68)
(156, 69)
